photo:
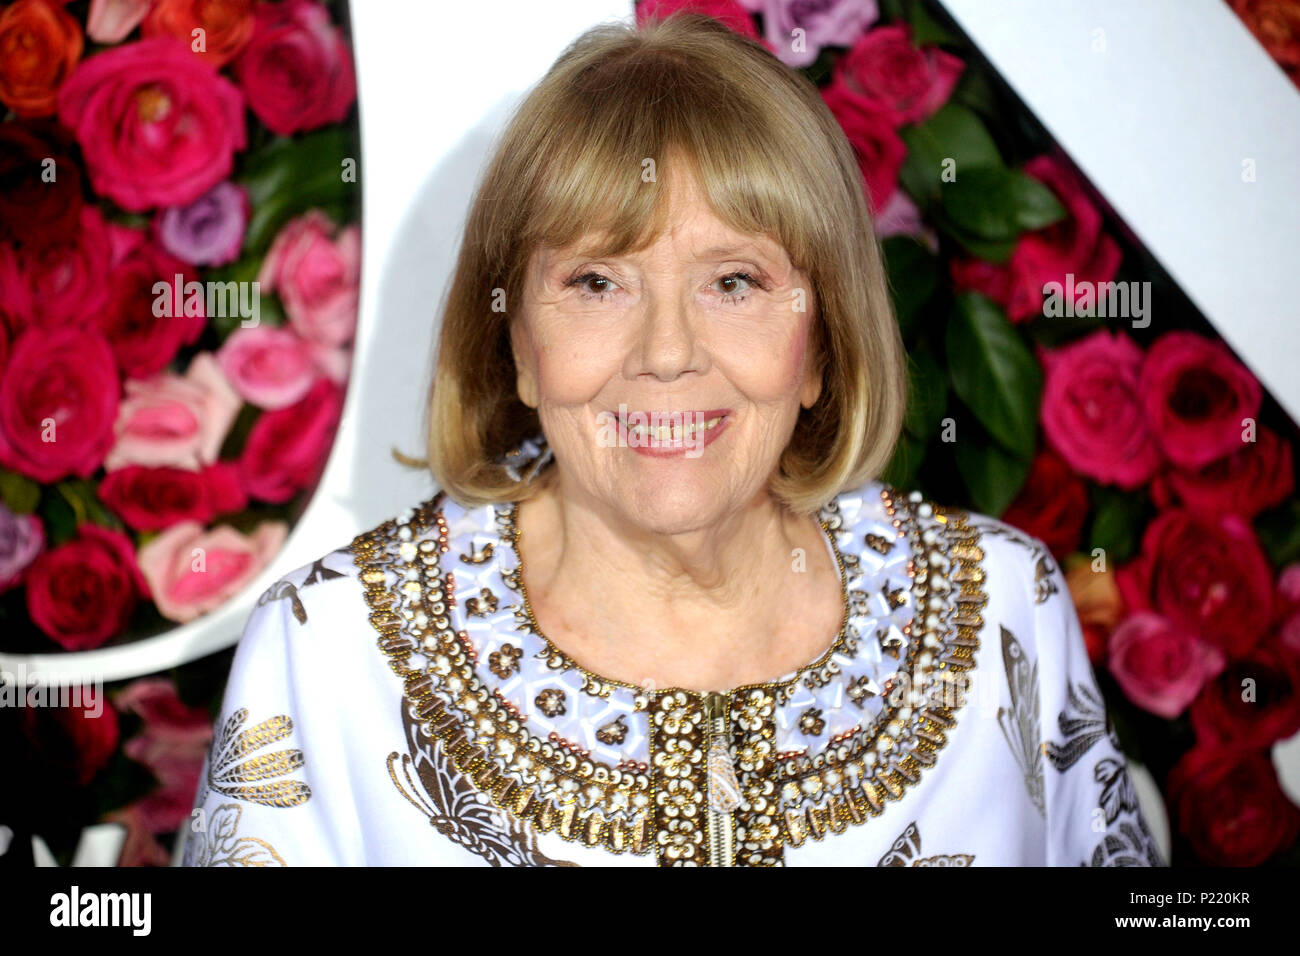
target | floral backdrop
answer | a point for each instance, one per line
(179, 264)
(214, 140)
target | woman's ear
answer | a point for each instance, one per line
(525, 366)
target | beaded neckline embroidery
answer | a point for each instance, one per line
(629, 773)
(511, 535)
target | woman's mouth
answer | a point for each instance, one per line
(671, 434)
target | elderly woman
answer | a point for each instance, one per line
(663, 610)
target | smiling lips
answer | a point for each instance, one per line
(664, 434)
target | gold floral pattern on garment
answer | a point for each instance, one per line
(660, 806)
(219, 843)
(906, 851)
(482, 606)
(505, 662)
(551, 702)
(456, 808)
(234, 768)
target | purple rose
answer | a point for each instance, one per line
(210, 230)
(21, 539)
(824, 22)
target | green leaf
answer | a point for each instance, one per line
(913, 277)
(906, 461)
(955, 133)
(19, 493)
(925, 29)
(999, 204)
(927, 397)
(994, 372)
(1279, 533)
(995, 251)
(1116, 523)
(993, 476)
(290, 176)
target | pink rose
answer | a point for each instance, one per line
(729, 13)
(1196, 396)
(170, 420)
(297, 69)
(1092, 413)
(22, 537)
(59, 283)
(58, 400)
(271, 368)
(879, 151)
(287, 448)
(316, 276)
(192, 570)
(109, 21)
(158, 125)
(1160, 668)
(172, 744)
(824, 23)
(84, 591)
(906, 83)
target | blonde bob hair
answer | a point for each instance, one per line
(768, 157)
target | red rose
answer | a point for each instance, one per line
(39, 45)
(61, 283)
(1075, 244)
(1052, 505)
(1206, 574)
(903, 82)
(731, 14)
(158, 126)
(151, 499)
(144, 342)
(1245, 482)
(33, 210)
(1092, 412)
(287, 448)
(1276, 24)
(84, 591)
(879, 151)
(226, 25)
(1196, 396)
(1268, 678)
(79, 740)
(58, 402)
(297, 70)
(1227, 802)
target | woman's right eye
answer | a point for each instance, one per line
(600, 292)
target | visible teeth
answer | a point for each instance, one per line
(673, 432)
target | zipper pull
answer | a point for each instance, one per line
(724, 788)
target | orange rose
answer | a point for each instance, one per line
(40, 43)
(226, 24)
(1098, 601)
(1276, 24)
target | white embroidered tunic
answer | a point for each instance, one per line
(395, 703)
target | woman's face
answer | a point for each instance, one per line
(668, 381)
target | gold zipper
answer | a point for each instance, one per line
(722, 791)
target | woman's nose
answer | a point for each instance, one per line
(669, 340)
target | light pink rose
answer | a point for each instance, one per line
(901, 217)
(170, 420)
(192, 570)
(317, 275)
(271, 368)
(1160, 666)
(110, 21)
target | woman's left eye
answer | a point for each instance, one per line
(739, 295)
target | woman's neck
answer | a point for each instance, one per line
(747, 599)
